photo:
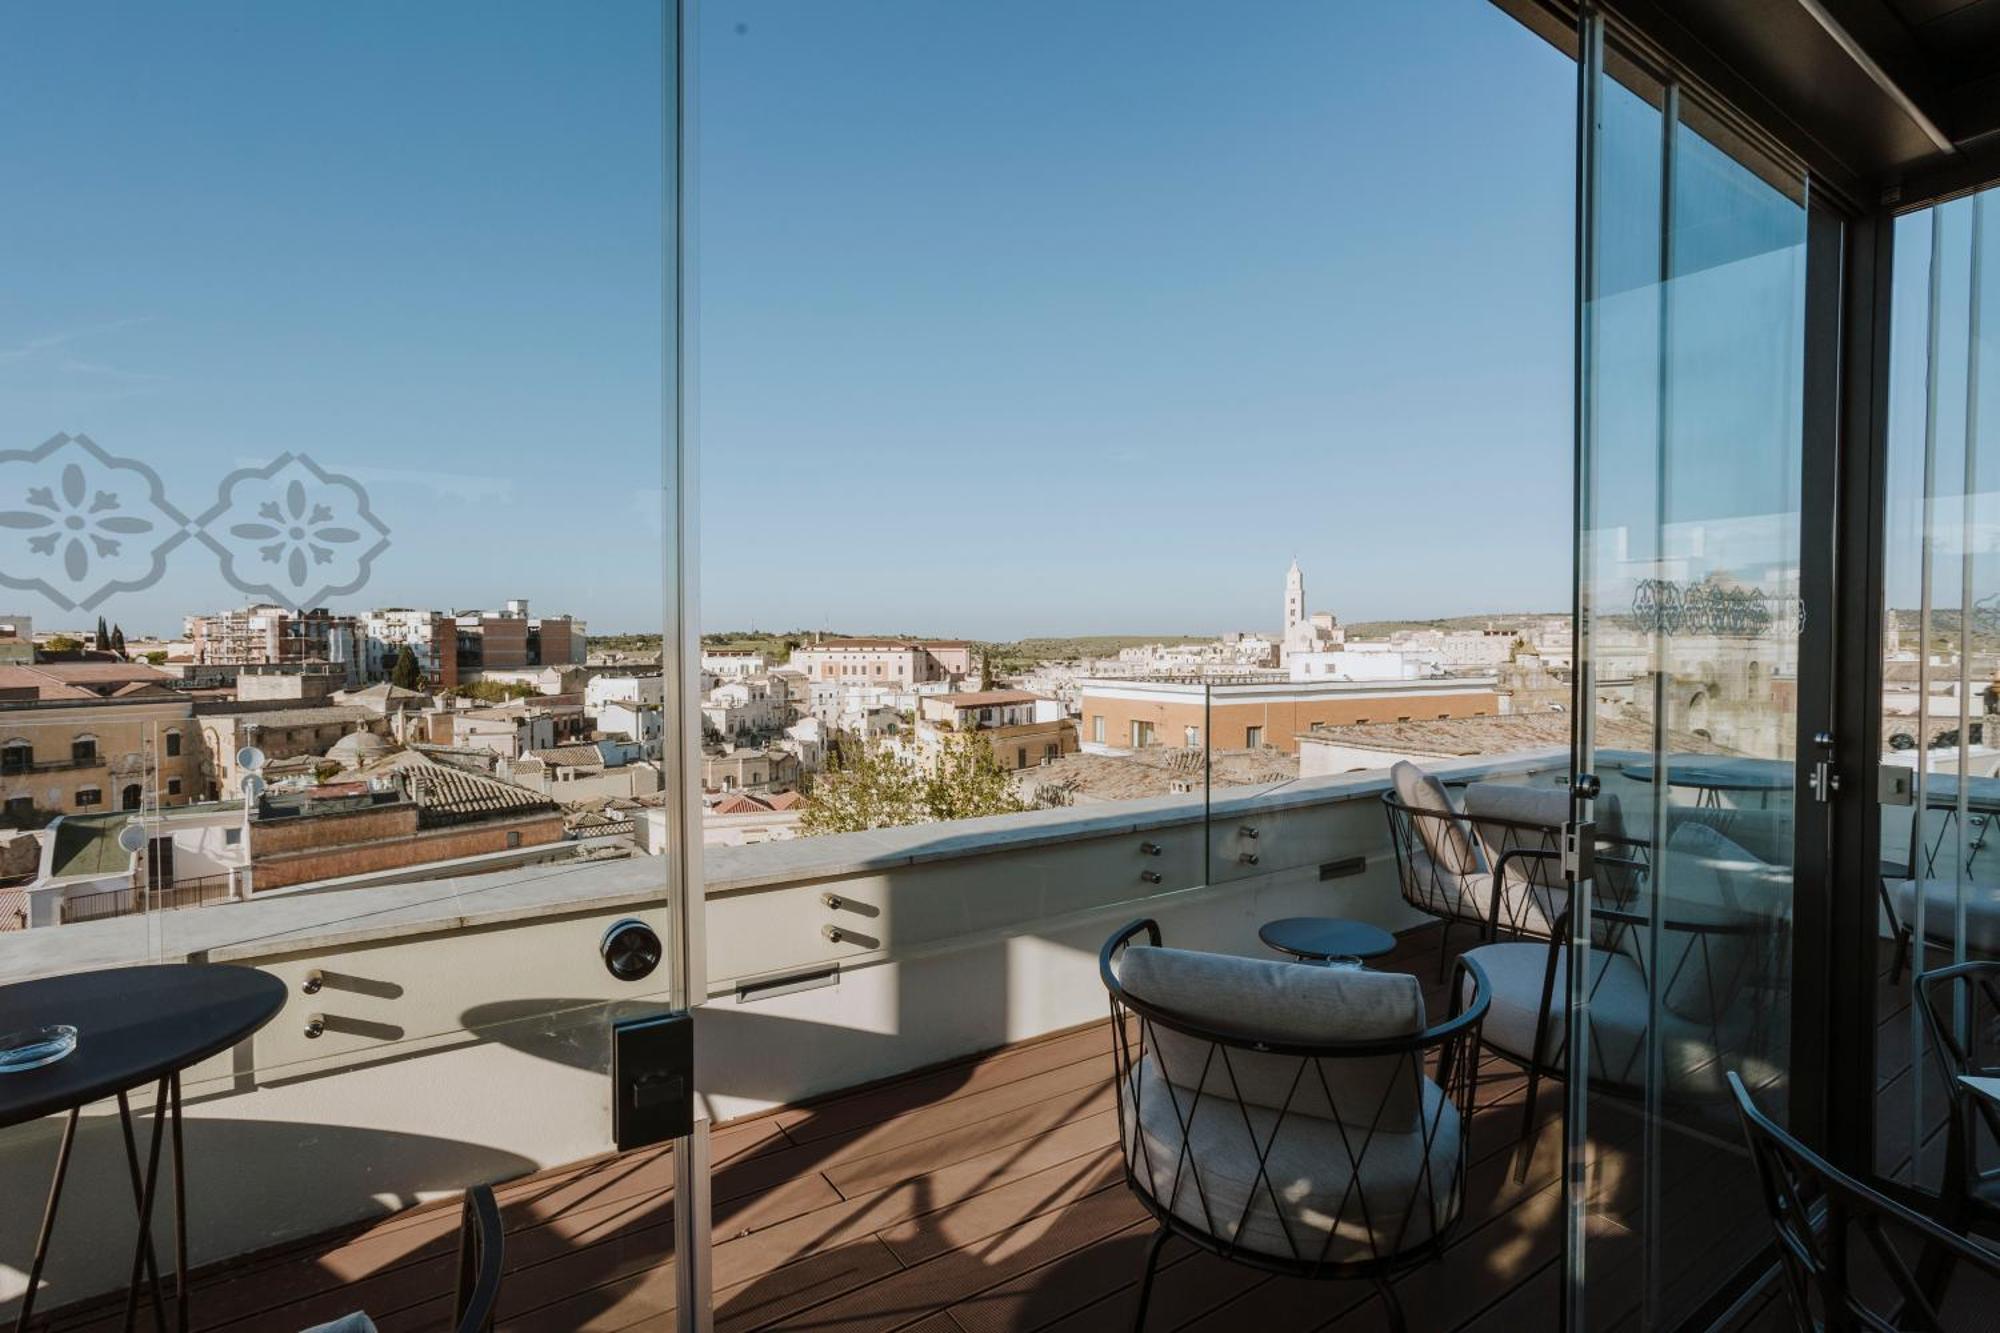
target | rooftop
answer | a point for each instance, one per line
(1155, 770)
(988, 698)
(1459, 737)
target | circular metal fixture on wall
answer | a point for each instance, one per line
(631, 949)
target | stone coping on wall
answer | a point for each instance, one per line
(309, 921)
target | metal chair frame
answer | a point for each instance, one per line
(1953, 1001)
(1513, 844)
(481, 1259)
(1134, 1025)
(1610, 925)
(1818, 1213)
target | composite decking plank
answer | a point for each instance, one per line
(936, 1284)
(933, 1088)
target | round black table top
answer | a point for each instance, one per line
(1322, 937)
(134, 1025)
(1743, 777)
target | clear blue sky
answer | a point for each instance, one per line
(1014, 318)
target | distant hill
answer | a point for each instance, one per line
(1019, 654)
(1375, 629)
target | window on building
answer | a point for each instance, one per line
(1142, 734)
(1052, 751)
(20, 808)
(1191, 737)
(17, 757)
(173, 786)
(231, 837)
(83, 750)
(1097, 728)
(86, 796)
(131, 797)
(1253, 737)
(513, 838)
(173, 741)
(1020, 756)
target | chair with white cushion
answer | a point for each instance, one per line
(1280, 1114)
(1449, 856)
(1716, 912)
(1942, 895)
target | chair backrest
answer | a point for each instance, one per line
(1447, 839)
(1961, 1008)
(1520, 830)
(481, 1257)
(1267, 1000)
(1851, 1256)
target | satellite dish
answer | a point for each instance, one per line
(133, 836)
(250, 758)
(253, 787)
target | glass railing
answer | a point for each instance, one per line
(336, 439)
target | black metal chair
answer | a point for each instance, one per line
(1448, 862)
(1961, 1008)
(1250, 1132)
(1691, 981)
(481, 1257)
(1852, 1258)
(482, 1245)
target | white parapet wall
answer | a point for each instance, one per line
(466, 1020)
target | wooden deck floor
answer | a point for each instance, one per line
(982, 1196)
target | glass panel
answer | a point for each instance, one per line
(1689, 553)
(334, 397)
(1941, 657)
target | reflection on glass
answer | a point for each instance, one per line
(333, 459)
(1940, 889)
(1690, 559)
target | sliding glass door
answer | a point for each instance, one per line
(1692, 282)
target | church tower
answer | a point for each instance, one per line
(1295, 597)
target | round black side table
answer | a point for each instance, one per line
(1324, 939)
(134, 1025)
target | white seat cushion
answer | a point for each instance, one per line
(1618, 1014)
(1982, 911)
(351, 1323)
(1318, 1207)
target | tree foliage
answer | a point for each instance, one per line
(870, 786)
(63, 643)
(118, 639)
(496, 691)
(405, 674)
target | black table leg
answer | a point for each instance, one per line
(138, 1197)
(146, 1197)
(180, 1212)
(48, 1220)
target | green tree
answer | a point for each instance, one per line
(158, 657)
(868, 786)
(864, 786)
(118, 639)
(404, 675)
(967, 781)
(63, 643)
(103, 635)
(497, 691)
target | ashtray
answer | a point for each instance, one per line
(31, 1048)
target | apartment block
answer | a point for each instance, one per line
(1134, 714)
(902, 662)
